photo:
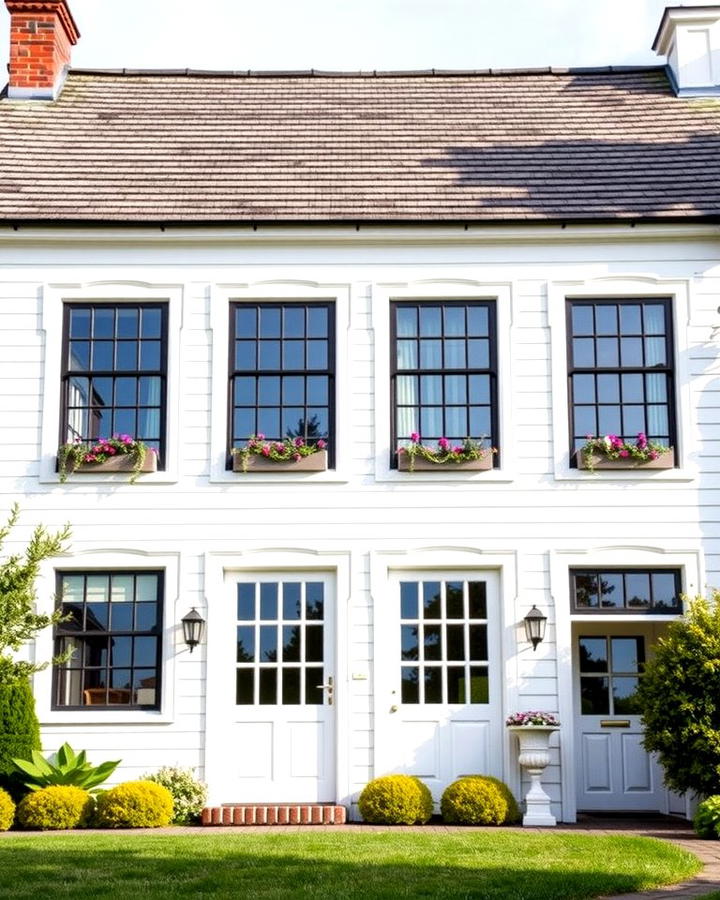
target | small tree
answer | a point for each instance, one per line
(680, 699)
(19, 623)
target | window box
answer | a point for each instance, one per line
(125, 463)
(405, 464)
(316, 462)
(595, 461)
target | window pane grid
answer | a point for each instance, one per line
(610, 673)
(114, 633)
(621, 370)
(444, 650)
(114, 377)
(280, 635)
(443, 377)
(626, 590)
(282, 372)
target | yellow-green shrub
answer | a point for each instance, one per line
(7, 810)
(396, 800)
(58, 806)
(135, 804)
(479, 800)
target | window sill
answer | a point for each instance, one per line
(444, 475)
(91, 716)
(638, 474)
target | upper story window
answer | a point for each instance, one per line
(621, 370)
(625, 590)
(282, 372)
(114, 630)
(443, 371)
(115, 372)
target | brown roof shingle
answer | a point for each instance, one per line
(498, 147)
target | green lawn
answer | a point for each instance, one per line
(508, 865)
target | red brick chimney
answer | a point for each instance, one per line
(42, 34)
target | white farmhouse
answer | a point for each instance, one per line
(519, 257)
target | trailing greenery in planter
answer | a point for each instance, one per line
(64, 768)
(679, 696)
(56, 807)
(81, 455)
(479, 800)
(289, 450)
(7, 810)
(189, 795)
(135, 804)
(613, 448)
(396, 800)
(445, 454)
(707, 818)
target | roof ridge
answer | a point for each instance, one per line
(374, 73)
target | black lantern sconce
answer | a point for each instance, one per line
(535, 623)
(193, 628)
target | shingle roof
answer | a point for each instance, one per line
(567, 145)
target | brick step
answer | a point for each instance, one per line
(274, 814)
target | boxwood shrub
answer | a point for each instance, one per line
(396, 800)
(479, 800)
(55, 807)
(135, 804)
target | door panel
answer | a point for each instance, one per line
(437, 659)
(615, 773)
(279, 739)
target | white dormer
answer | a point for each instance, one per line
(689, 36)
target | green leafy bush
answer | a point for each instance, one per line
(189, 795)
(55, 807)
(64, 767)
(396, 800)
(7, 810)
(707, 818)
(680, 700)
(135, 804)
(479, 800)
(19, 732)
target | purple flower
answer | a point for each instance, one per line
(642, 440)
(321, 444)
(415, 437)
(299, 442)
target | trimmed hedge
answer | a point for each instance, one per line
(7, 810)
(135, 804)
(56, 807)
(396, 800)
(479, 800)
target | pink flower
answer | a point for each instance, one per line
(624, 453)
(111, 451)
(653, 454)
(299, 442)
(415, 437)
(266, 451)
(444, 444)
(321, 444)
(297, 457)
(457, 450)
(279, 447)
(260, 437)
(89, 457)
(642, 441)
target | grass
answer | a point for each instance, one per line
(492, 865)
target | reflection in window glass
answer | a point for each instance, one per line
(635, 590)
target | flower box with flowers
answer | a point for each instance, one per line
(288, 455)
(611, 452)
(470, 455)
(120, 453)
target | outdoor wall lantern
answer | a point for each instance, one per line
(193, 628)
(535, 623)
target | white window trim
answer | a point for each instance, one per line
(54, 296)
(690, 563)
(271, 560)
(172, 643)
(466, 561)
(437, 290)
(641, 287)
(221, 295)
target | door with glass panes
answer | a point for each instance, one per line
(280, 731)
(614, 771)
(438, 693)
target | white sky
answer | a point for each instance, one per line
(360, 34)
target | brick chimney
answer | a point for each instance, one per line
(689, 36)
(42, 34)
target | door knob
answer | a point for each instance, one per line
(329, 688)
(393, 708)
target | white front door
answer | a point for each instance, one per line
(278, 740)
(614, 771)
(437, 674)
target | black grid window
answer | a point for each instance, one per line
(626, 590)
(114, 630)
(443, 372)
(282, 372)
(115, 373)
(621, 370)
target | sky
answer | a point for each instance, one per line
(361, 34)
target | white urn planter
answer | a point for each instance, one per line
(534, 741)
